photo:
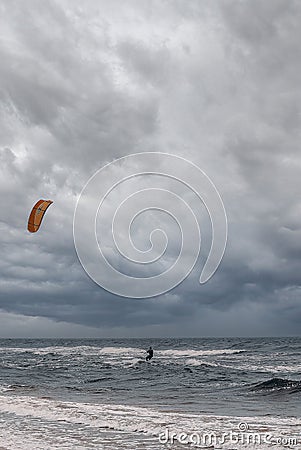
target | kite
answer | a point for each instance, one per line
(37, 214)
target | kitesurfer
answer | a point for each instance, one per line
(150, 354)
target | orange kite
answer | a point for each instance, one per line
(37, 214)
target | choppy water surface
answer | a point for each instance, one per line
(101, 394)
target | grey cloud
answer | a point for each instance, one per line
(216, 83)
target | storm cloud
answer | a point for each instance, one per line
(218, 83)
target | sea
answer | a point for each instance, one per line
(209, 393)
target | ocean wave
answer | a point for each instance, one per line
(97, 380)
(71, 422)
(193, 353)
(17, 388)
(278, 385)
(200, 363)
(53, 351)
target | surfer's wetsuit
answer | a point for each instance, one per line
(150, 352)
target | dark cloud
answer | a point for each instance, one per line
(216, 83)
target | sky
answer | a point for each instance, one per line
(85, 83)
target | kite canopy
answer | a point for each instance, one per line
(37, 214)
